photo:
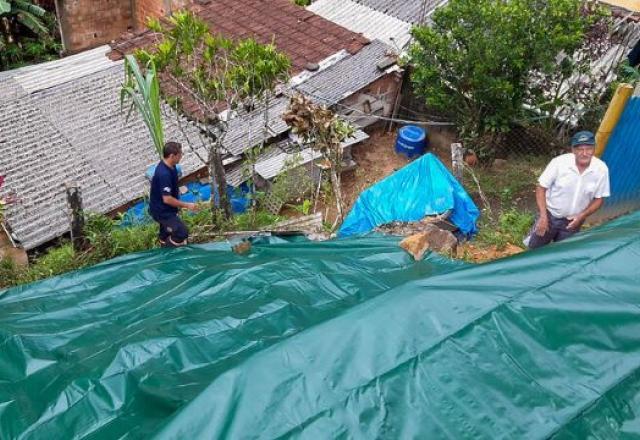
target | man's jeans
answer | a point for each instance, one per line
(557, 231)
(172, 230)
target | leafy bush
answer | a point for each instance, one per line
(481, 59)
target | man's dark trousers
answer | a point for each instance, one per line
(557, 231)
(172, 230)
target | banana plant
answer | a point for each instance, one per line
(143, 89)
(26, 13)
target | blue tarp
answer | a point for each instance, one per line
(423, 187)
(197, 192)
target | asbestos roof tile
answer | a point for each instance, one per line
(270, 166)
(76, 132)
(362, 19)
(411, 11)
(348, 75)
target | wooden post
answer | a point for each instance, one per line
(74, 200)
(457, 158)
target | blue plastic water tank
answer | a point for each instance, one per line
(412, 140)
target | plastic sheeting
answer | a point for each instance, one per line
(343, 339)
(423, 187)
(196, 192)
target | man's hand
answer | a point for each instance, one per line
(542, 225)
(576, 222)
(193, 207)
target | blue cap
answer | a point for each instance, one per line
(583, 138)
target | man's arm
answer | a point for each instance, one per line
(579, 219)
(542, 225)
(172, 201)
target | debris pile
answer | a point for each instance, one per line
(405, 229)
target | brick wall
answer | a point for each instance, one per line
(154, 8)
(89, 23)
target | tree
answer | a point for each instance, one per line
(479, 60)
(215, 74)
(325, 132)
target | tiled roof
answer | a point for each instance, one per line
(411, 11)
(304, 36)
(362, 19)
(347, 76)
(73, 131)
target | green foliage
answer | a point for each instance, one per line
(511, 228)
(28, 34)
(302, 3)
(478, 60)
(213, 68)
(252, 221)
(144, 92)
(25, 13)
(293, 183)
(304, 208)
(216, 74)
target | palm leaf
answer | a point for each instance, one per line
(30, 8)
(32, 22)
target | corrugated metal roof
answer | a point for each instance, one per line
(362, 19)
(347, 76)
(622, 156)
(272, 166)
(74, 131)
(247, 130)
(630, 5)
(53, 73)
(411, 11)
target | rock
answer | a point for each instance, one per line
(433, 238)
(499, 164)
(242, 248)
(17, 255)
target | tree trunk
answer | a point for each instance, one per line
(335, 181)
(219, 179)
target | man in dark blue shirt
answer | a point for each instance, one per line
(164, 199)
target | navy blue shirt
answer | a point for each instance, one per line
(164, 183)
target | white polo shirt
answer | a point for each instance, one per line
(569, 192)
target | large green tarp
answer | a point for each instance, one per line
(344, 339)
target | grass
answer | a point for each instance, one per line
(509, 185)
(108, 240)
(507, 201)
(511, 227)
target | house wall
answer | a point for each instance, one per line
(86, 24)
(378, 99)
(143, 9)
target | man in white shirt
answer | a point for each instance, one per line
(571, 188)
